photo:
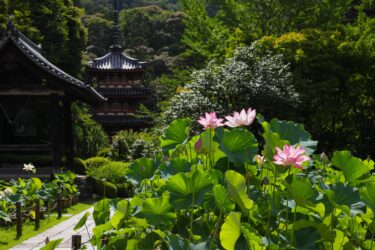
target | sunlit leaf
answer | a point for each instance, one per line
(182, 186)
(51, 245)
(239, 145)
(82, 221)
(236, 187)
(157, 211)
(352, 167)
(177, 133)
(230, 231)
(141, 169)
(221, 198)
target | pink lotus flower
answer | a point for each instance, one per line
(211, 121)
(290, 156)
(244, 118)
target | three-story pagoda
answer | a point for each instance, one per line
(119, 78)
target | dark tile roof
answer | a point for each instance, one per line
(124, 91)
(121, 120)
(116, 60)
(35, 54)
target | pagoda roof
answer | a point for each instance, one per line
(116, 60)
(35, 53)
(124, 120)
(124, 92)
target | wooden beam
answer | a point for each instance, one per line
(68, 131)
(55, 130)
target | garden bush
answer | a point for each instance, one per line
(128, 145)
(95, 162)
(113, 172)
(105, 188)
(223, 189)
(79, 166)
(105, 152)
(261, 80)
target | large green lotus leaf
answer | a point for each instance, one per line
(300, 189)
(239, 145)
(101, 212)
(157, 211)
(117, 219)
(322, 228)
(352, 167)
(367, 193)
(182, 186)
(306, 238)
(295, 133)
(252, 236)
(236, 187)
(177, 133)
(117, 242)
(141, 169)
(221, 198)
(176, 165)
(272, 140)
(344, 197)
(230, 230)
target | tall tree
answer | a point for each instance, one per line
(55, 24)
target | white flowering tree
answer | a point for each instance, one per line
(246, 80)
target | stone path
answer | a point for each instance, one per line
(62, 230)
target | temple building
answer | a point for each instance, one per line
(119, 78)
(35, 104)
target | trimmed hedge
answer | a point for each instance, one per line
(95, 162)
(113, 171)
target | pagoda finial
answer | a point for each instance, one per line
(116, 34)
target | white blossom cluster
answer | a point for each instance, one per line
(247, 80)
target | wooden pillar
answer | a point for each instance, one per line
(68, 132)
(55, 130)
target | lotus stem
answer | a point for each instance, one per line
(286, 212)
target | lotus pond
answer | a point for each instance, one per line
(248, 187)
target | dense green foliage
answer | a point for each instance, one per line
(128, 145)
(261, 80)
(209, 192)
(113, 172)
(337, 104)
(90, 137)
(53, 23)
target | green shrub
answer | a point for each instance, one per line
(79, 166)
(113, 171)
(128, 145)
(105, 188)
(105, 152)
(95, 162)
(124, 190)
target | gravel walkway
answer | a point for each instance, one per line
(62, 230)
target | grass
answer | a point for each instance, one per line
(8, 236)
